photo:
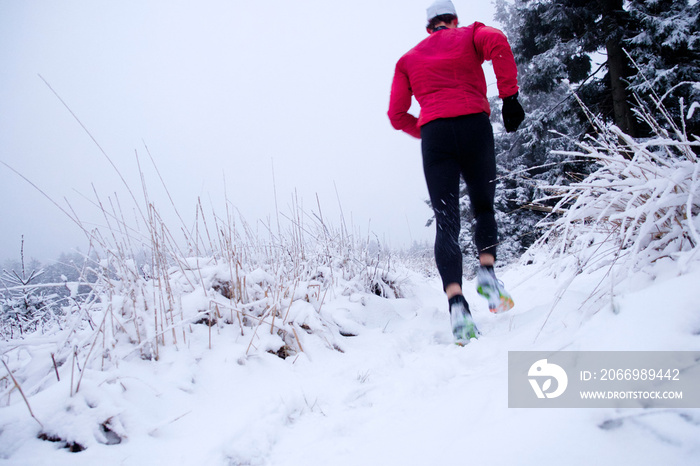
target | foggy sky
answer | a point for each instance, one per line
(217, 90)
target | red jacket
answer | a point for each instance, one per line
(444, 73)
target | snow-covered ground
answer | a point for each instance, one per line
(397, 392)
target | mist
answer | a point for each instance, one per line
(252, 103)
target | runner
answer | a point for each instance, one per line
(444, 73)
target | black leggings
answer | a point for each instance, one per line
(453, 146)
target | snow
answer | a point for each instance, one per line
(691, 110)
(398, 392)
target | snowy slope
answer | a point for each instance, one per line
(396, 393)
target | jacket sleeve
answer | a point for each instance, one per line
(493, 45)
(400, 103)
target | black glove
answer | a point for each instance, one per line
(513, 113)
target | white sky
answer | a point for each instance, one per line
(215, 89)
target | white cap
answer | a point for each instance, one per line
(441, 7)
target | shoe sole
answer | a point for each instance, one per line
(471, 334)
(461, 342)
(505, 303)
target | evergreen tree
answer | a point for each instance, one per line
(553, 122)
(555, 43)
(24, 307)
(667, 52)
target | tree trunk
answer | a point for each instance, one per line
(623, 116)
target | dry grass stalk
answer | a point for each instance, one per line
(19, 387)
